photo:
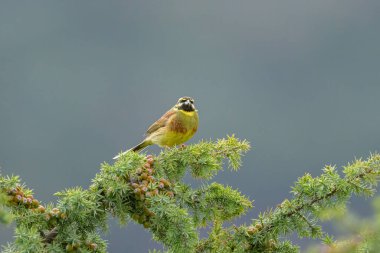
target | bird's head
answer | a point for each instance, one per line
(185, 104)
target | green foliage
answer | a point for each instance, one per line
(28, 239)
(204, 159)
(172, 225)
(5, 216)
(358, 234)
(150, 191)
(213, 202)
(313, 195)
(301, 214)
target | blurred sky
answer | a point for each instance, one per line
(81, 80)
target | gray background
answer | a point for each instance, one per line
(81, 80)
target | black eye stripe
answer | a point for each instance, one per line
(183, 100)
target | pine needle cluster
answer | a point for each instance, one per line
(358, 234)
(149, 190)
(5, 216)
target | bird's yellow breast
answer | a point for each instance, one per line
(188, 114)
(180, 128)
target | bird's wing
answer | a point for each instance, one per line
(161, 122)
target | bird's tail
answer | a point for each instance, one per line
(136, 148)
(141, 146)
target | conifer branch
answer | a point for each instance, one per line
(50, 236)
(150, 191)
(146, 190)
(301, 214)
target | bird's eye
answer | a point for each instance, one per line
(192, 101)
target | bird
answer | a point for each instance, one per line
(175, 127)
